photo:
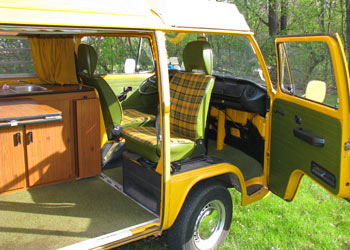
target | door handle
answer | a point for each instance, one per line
(17, 139)
(309, 137)
(30, 137)
(281, 112)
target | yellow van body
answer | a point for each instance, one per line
(292, 127)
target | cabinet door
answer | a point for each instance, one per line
(88, 137)
(49, 154)
(12, 159)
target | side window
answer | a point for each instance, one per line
(15, 58)
(306, 71)
(119, 55)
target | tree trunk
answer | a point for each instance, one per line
(322, 15)
(330, 15)
(284, 17)
(347, 4)
(273, 19)
(343, 23)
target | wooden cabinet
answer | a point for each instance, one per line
(12, 167)
(20, 121)
(50, 151)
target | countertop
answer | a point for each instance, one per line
(26, 111)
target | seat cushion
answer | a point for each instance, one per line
(143, 141)
(132, 117)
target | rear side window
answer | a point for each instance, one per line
(119, 55)
(15, 58)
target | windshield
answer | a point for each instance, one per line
(233, 55)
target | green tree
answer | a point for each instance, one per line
(268, 18)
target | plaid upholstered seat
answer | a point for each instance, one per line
(113, 114)
(189, 104)
(187, 91)
(132, 117)
(145, 138)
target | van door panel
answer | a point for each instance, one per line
(308, 135)
(289, 152)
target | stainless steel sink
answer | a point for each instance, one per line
(27, 88)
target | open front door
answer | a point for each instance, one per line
(310, 116)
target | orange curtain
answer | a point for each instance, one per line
(54, 59)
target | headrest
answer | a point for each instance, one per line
(198, 55)
(87, 59)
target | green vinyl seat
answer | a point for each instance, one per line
(189, 103)
(115, 118)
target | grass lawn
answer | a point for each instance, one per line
(314, 220)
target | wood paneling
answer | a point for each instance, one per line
(12, 164)
(88, 137)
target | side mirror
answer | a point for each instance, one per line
(129, 65)
(316, 91)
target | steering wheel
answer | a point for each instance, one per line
(149, 86)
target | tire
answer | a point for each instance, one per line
(208, 203)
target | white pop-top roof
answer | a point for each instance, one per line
(200, 14)
(147, 14)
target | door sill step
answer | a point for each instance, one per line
(107, 238)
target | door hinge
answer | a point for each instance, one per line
(347, 146)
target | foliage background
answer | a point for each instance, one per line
(271, 18)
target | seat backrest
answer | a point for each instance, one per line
(190, 92)
(110, 105)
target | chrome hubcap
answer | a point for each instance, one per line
(209, 225)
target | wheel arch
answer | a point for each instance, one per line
(178, 197)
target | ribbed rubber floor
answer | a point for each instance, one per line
(249, 166)
(62, 214)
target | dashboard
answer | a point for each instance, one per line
(237, 93)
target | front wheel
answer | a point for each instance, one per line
(204, 220)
